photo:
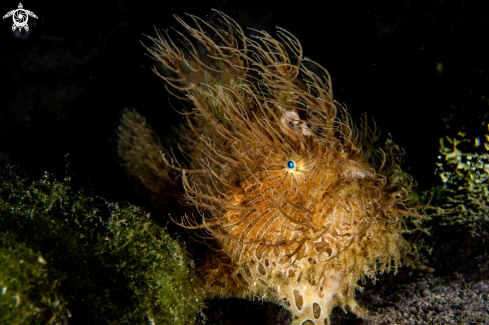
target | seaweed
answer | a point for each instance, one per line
(109, 262)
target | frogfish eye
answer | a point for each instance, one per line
(291, 164)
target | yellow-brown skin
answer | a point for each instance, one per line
(300, 205)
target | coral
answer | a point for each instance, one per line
(300, 203)
(110, 263)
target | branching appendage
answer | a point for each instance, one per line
(300, 204)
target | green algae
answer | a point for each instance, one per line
(463, 168)
(28, 294)
(109, 262)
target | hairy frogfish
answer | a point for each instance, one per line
(299, 204)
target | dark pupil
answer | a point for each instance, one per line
(290, 164)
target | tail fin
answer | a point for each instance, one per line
(141, 153)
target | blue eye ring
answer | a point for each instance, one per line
(290, 164)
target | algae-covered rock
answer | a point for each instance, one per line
(110, 262)
(28, 294)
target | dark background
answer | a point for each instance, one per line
(419, 68)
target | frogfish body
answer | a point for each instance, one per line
(299, 204)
